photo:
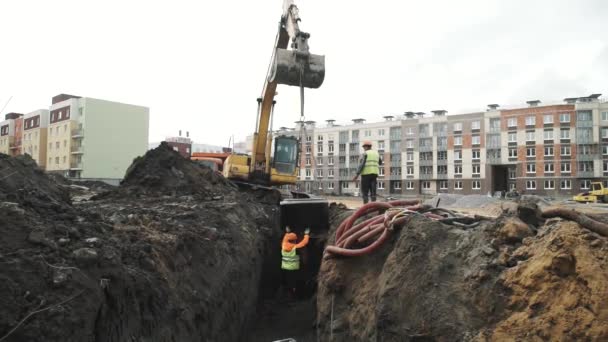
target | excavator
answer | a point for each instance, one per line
(294, 67)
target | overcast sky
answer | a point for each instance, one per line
(200, 65)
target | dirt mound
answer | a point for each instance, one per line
(558, 288)
(153, 268)
(501, 281)
(164, 171)
(22, 182)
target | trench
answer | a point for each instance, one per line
(280, 315)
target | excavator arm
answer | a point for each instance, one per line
(295, 67)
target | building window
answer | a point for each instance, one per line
(330, 160)
(457, 126)
(397, 185)
(330, 148)
(426, 185)
(409, 170)
(531, 168)
(530, 120)
(410, 156)
(458, 155)
(381, 132)
(57, 144)
(381, 145)
(565, 168)
(512, 173)
(564, 133)
(319, 160)
(308, 138)
(564, 150)
(604, 116)
(367, 133)
(307, 161)
(476, 154)
(585, 166)
(442, 155)
(476, 140)
(476, 185)
(345, 185)
(308, 173)
(605, 166)
(330, 173)
(512, 153)
(585, 184)
(549, 184)
(330, 186)
(380, 185)
(584, 149)
(457, 185)
(584, 116)
(457, 169)
(409, 143)
(409, 185)
(475, 125)
(381, 171)
(604, 133)
(548, 119)
(319, 137)
(443, 185)
(565, 184)
(56, 160)
(549, 168)
(530, 136)
(512, 122)
(548, 134)
(531, 185)
(319, 148)
(605, 150)
(457, 141)
(476, 169)
(320, 173)
(564, 118)
(531, 152)
(548, 151)
(512, 137)
(409, 131)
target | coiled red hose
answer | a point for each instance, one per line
(377, 227)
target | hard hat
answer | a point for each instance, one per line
(367, 143)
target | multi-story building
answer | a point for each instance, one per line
(35, 129)
(556, 149)
(182, 145)
(95, 139)
(10, 140)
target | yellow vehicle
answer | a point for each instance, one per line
(597, 193)
(295, 67)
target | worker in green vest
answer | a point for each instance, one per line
(369, 170)
(290, 261)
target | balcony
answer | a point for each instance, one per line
(584, 174)
(75, 166)
(425, 148)
(77, 150)
(442, 162)
(443, 175)
(426, 162)
(442, 147)
(584, 123)
(494, 130)
(395, 177)
(493, 160)
(426, 176)
(395, 163)
(587, 157)
(77, 133)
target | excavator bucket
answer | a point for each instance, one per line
(288, 65)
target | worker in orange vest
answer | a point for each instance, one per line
(290, 264)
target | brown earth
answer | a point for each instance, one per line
(501, 281)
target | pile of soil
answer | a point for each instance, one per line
(144, 262)
(163, 171)
(501, 281)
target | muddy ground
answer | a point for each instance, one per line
(506, 280)
(176, 253)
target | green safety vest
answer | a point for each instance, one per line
(291, 261)
(371, 163)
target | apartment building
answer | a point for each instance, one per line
(10, 138)
(94, 139)
(35, 129)
(555, 149)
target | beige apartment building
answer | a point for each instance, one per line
(8, 133)
(556, 149)
(34, 142)
(95, 139)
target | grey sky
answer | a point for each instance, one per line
(200, 65)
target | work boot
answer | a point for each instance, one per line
(373, 199)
